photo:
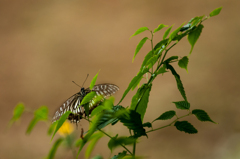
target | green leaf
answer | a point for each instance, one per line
(41, 113)
(98, 157)
(92, 143)
(139, 46)
(132, 83)
(120, 155)
(31, 125)
(182, 105)
(147, 57)
(186, 127)
(118, 141)
(132, 120)
(183, 63)
(140, 30)
(61, 121)
(159, 27)
(88, 97)
(185, 27)
(174, 33)
(167, 32)
(86, 109)
(178, 80)
(54, 148)
(93, 81)
(171, 59)
(165, 116)
(147, 124)
(194, 35)
(202, 115)
(215, 12)
(161, 44)
(17, 113)
(162, 70)
(152, 61)
(51, 128)
(97, 110)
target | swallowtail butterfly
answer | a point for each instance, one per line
(72, 103)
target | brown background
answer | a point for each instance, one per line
(44, 45)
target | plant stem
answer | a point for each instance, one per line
(134, 149)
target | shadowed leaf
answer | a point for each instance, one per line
(186, 127)
(202, 115)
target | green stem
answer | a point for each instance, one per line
(134, 149)
(152, 46)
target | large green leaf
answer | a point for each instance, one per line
(140, 30)
(166, 115)
(183, 63)
(202, 115)
(215, 12)
(54, 148)
(182, 105)
(178, 80)
(61, 121)
(186, 127)
(17, 113)
(159, 28)
(139, 46)
(92, 143)
(93, 81)
(194, 35)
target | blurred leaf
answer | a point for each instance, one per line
(86, 109)
(162, 70)
(182, 105)
(160, 27)
(92, 143)
(147, 124)
(31, 125)
(140, 30)
(139, 46)
(167, 32)
(165, 116)
(152, 61)
(93, 81)
(202, 115)
(171, 59)
(215, 12)
(97, 110)
(120, 155)
(183, 63)
(174, 33)
(178, 80)
(118, 141)
(17, 113)
(88, 97)
(98, 157)
(186, 127)
(54, 148)
(51, 128)
(61, 121)
(185, 27)
(41, 113)
(194, 35)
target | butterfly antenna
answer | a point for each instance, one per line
(76, 84)
(85, 80)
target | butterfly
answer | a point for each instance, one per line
(72, 103)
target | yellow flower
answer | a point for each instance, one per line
(65, 129)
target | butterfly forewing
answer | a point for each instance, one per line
(72, 103)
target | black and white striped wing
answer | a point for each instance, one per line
(105, 89)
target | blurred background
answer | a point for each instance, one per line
(45, 45)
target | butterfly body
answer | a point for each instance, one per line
(72, 103)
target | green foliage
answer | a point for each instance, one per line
(17, 113)
(186, 127)
(93, 81)
(108, 114)
(202, 115)
(166, 115)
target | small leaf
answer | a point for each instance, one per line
(174, 33)
(93, 81)
(185, 27)
(167, 32)
(183, 63)
(112, 143)
(160, 27)
(194, 35)
(92, 143)
(215, 12)
(161, 44)
(51, 128)
(118, 141)
(147, 57)
(147, 124)
(162, 70)
(88, 97)
(167, 115)
(41, 113)
(202, 115)
(120, 155)
(140, 30)
(54, 148)
(186, 127)
(97, 110)
(17, 113)
(182, 105)
(61, 121)
(139, 46)
(31, 125)
(171, 59)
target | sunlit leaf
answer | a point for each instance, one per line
(174, 33)
(186, 127)
(160, 27)
(140, 30)
(51, 128)
(88, 97)
(183, 63)
(215, 12)
(41, 113)
(139, 46)
(93, 81)
(17, 112)
(32, 125)
(167, 32)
